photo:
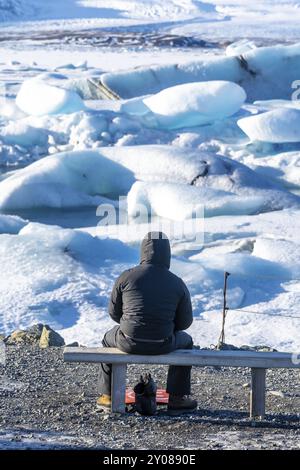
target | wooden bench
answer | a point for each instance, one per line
(259, 362)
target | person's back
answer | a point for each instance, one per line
(149, 301)
(152, 306)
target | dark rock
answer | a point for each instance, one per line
(30, 336)
(19, 337)
(265, 349)
(225, 347)
(36, 330)
(276, 393)
(50, 338)
(257, 348)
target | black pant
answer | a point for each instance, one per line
(179, 377)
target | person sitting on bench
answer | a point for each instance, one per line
(153, 307)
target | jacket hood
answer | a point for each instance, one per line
(155, 249)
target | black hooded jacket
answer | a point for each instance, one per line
(148, 300)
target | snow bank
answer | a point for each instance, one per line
(37, 97)
(243, 265)
(80, 245)
(180, 202)
(284, 252)
(194, 104)
(79, 178)
(276, 126)
(264, 73)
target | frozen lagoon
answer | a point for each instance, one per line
(71, 292)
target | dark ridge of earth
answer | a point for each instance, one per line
(117, 38)
(112, 39)
(46, 403)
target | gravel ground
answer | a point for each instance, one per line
(45, 403)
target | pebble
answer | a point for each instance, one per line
(276, 393)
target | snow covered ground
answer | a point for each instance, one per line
(197, 129)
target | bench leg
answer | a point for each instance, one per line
(258, 393)
(118, 388)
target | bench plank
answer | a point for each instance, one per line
(252, 359)
(257, 361)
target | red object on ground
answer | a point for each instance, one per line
(162, 397)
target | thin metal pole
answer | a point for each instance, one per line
(225, 308)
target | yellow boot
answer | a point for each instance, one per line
(104, 402)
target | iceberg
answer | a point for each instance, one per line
(72, 179)
(276, 126)
(194, 104)
(163, 163)
(38, 96)
(180, 202)
(83, 178)
(264, 73)
(243, 264)
(79, 177)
